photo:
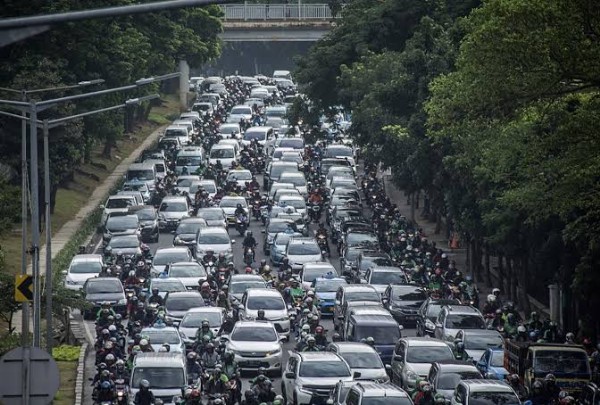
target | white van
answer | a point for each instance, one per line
(264, 135)
(282, 74)
(145, 172)
(222, 152)
(178, 131)
(192, 158)
(166, 373)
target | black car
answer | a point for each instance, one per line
(187, 231)
(348, 258)
(148, 222)
(128, 245)
(403, 302)
(120, 225)
(428, 313)
(366, 259)
(98, 290)
(359, 237)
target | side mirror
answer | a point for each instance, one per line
(438, 325)
(263, 231)
(172, 232)
(232, 241)
(388, 368)
(356, 374)
(400, 327)
(101, 206)
(398, 357)
(337, 302)
(290, 374)
(224, 338)
(64, 272)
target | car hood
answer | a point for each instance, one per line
(148, 223)
(215, 222)
(173, 215)
(272, 315)
(187, 237)
(475, 354)
(421, 369)
(500, 371)
(176, 314)
(111, 210)
(165, 394)
(254, 346)
(229, 210)
(111, 297)
(380, 288)
(174, 348)
(216, 248)
(81, 278)
(127, 251)
(447, 394)
(326, 296)
(190, 281)
(371, 373)
(121, 232)
(304, 259)
(321, 382)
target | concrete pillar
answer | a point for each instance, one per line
(555, 306)
(184, 83)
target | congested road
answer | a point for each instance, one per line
(166, 240)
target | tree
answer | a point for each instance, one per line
(8, 305)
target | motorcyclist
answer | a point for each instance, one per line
(204, 330)
(261, 267)
(460, 352)
(320, 337)
(223, 301)
(425, 396)
(490, 305)
(336, 337)
(226, 326)
(210, 358)
(515, 382)
(249, 242)
(253, 184)
(155, 298)
(239, 210)
(311, 345)
(250, 398)
(192, 365)
(510, 326)
(534, 322)
(205, 291)
(217, 382)
(551, 388)
(209, 257)
(144, 396)
(261, 315)
(106, 392)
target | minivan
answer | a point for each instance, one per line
(275, 171)
(166, 373)
(192, 158)
(264, 136)
(178, 131)
(382, 328)
(223, 153)
(144, 172)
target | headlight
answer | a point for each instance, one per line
(429, 324)
(274, 352)
(161, 217)
(411, 376)
(177, 239)
(305, 390)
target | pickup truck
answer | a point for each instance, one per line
(569, 364)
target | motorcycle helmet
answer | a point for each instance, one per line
(144, 384)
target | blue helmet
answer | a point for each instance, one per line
(105, 385)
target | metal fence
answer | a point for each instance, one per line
(245, 12)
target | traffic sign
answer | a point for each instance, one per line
(29, 375)
(23, 288)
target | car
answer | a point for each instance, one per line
(338, 171)
(264, 135)
(359, 238)
(148, 219)
(381, 277)
(208, 185)
(239, 283)
(171, 211)
(224, 153)
(117, 203)
(165, 256)
(403, 302)
(229, 205)
(165, 371)
(362, 358)
(240, 177)
(295, 178)
(271, 302)
(191, 158)
(216, 239)
(139, 198)
(129, 246)
(275, 226)
(282, 186)
(184, 182)
(82, 268)
(277, 250)
(240, 112)
(590, 395)
(204, 107)
(484, 392)
(180, 132)
(192, 321)
(309, 377)
(477, 341)
(348, 293)
(98, 290)
(348, 259)
(138, 186)
(213, 216)
(166, 285)
(327, 163)
(281, 192)
(371, 393)
(372, 321)
(453, 318)
(297, 202)
(325, 289)
(291, 142)
(256, 344)
(231, 128)
(413, 357)
(275, 169)
(178, 303)
(491, 364)
(159, 335)
(187, 231)
(302, 250)
(444, 376)
(299, 220)
(428, 313)
(191, 274)
(312, 271)
(340, 392)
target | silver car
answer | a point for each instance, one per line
(271, 302)
(300, 251)
(256, 344)
(192, 321)
(157, 336)
(362, 358)
(213, 216)
(216, 239)
(171, 211)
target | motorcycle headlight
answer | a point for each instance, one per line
(429, 324)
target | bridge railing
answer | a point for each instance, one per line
(250, 12)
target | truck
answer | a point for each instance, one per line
(568, 363)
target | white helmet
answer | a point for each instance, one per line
(491, 298)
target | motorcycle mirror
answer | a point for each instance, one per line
(232, 241)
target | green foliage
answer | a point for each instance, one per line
(8, 342)
(10, 205)
(8, 306)
(66, 353)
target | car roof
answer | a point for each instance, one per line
(377, 269)
(180, 294)
(319, 356)
(358, 287)
(194, 264)
(263, 292)
(245, 277)
(205, 310)
(455, 365)
(86, 258)
(424, 342)
(353, 347)
(213, 229)
(301, 240)
(174, 198)
(161, 359)
(486, 385)
(461, 309)
(100, 279)
(374, 389)
(254, 324)
(172, 249)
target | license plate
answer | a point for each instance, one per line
(253, 363)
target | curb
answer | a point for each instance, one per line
(80, 371)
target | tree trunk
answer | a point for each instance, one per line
(522, 280)
(412, 207)
(512, 282)
(488, 273)
(106, 151)
(501, 276)
(417, 198)
(53, 191)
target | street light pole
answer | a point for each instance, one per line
(35, 223)
(49, 323)
(25, 306)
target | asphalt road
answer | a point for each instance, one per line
(166, 240)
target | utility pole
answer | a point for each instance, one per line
(48, 229)
(35, 223)
(24, 195)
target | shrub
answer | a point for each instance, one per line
(66, 353)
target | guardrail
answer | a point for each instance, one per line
(280, 12)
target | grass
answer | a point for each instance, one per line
(73, 197)
(68, 376)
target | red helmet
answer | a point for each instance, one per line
(319, 330)
(248, 270)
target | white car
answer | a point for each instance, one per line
(469, 392)
(189, 273)
(231, 128)
(171, 211)
(213, 216)
(192, 321)
(157, 336)
(295, 201)
(223, 153)
(271, 301)
(117, 204)
(214, 238)
(310, 377)
(81, 268)
(229, 205)
(240, 176)
(303, 250)
(256, 344)
(297, 179)
(184, 182)
(311, 271)
(165, 256)
(361, 358)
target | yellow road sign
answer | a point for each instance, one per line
(23, 288)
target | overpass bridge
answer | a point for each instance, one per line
(275, 22)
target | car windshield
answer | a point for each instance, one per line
(161, 336)
(250, 136)
(164, 258)
(428, 354)
(353, 239)
(173, 207)
(210, 214)
(254, 334)
(226, 153)
(297, 181)
(329, 285)
(560, 361)
(194, 320)
(385, 401)
(325, 369)
(104, 287)
(301, 249)
(188, 227)
(276, 227)
(141, 174)
(282, 239)
(85, 267)
(146, 214)
(183, 303)
(142, 187)
(159, 377)
(363, 360)
(362, 296)
(465, 322)
(367, 262)
(232, 202)
(228, 129)
(433, 310)
(240, 288)
(184, 182)
(241, 110)
(266, 303)
(498, 360)
(296, 143)
(116, 203)
(243, 175)
(493, 398)
(187, 271)
(169, 286)
(124, 242)
(412, 294)
(275, 112)
(383, 335)
(189, 161)
(335, 152)
(482, 342)
(449, 381)
(384, 277)
(213, 239)
(309, 275)
(296, 203)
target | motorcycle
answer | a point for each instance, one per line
(122, 391)
(248, 256)
(323, 244)
(241, 224)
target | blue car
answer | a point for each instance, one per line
(325, 289)
(277, 248)
(491, 364)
